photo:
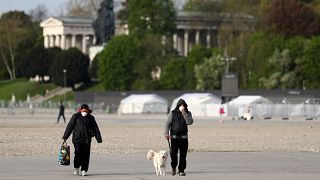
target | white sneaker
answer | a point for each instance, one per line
(83, 173)
(76, 171)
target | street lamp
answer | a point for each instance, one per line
(226, 58)
(64, 81)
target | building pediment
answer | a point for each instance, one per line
(51, 22)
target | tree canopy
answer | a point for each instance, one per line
(116, 62)
(151, 16)
(15, 28)
(76, 65)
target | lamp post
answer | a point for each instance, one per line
(229, 80)
(227, 59)
(64, 81)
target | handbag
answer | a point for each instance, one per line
(64, 154)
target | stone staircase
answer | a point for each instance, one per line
(55, 92)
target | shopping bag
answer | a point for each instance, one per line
(64, 154)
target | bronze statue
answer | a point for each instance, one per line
(104, 24)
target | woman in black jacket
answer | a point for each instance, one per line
(83, 127)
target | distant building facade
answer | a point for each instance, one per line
(209, 30)
(193, 28)
(66, 32)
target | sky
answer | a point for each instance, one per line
(27, 5)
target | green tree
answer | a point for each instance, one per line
(280, 61)
(311, 63)
(196, 56)
(37, 62)
(286, 65)
(147, 70)
(116, 62)
(204, 6)
(151, 16)
(94, 67)
(76, 65)
(209, 73)
(257, 64)
(3, 73)
(173, 74)
(14, 31)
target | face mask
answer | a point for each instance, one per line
(84, 113)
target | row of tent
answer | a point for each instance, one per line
(200, 104)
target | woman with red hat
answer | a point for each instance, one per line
(83, 127)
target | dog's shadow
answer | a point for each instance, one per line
(121, 174)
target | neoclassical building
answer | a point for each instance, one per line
(206, 29)
(66, 32)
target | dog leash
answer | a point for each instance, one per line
(169, 145)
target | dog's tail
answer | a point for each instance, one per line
(150, 154)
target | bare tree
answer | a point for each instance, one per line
(82, 8)
(39, 13)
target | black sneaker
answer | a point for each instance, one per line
(173, 173)
(182, 174)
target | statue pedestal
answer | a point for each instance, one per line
(93, 51)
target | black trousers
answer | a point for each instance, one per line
(181, 146)
(60, 116)
(81, 155)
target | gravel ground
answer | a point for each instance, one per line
(38, 135)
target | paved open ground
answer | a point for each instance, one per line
(216, 165)
(258, 149)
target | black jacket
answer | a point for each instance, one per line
(61, 109)
(177, 122)
(82, 129)
(178, 125)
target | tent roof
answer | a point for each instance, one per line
(250, 100)
(197, 98)
(144, 98)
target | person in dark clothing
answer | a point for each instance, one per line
(61, 112)
(83, 127)
(177, 124)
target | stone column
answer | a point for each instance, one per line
(219, 39)
(46, 41)
(51, 41)
(84, 44)
(175, 45)
(186, 42)
(197, 37)
(94, 41)
(57, 41)
(179, 44)
(73, 40)
(63, 41)
(208, 39)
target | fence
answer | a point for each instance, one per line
(50, 107)
(279, 107)
(276, 107)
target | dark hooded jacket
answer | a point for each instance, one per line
(178, 122)
(83, 128)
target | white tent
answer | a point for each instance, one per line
(247, 100)
(200, 104)
(257, 104)
(143, 103)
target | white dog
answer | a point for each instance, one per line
(159, 161)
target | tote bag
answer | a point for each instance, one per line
(64, 154)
